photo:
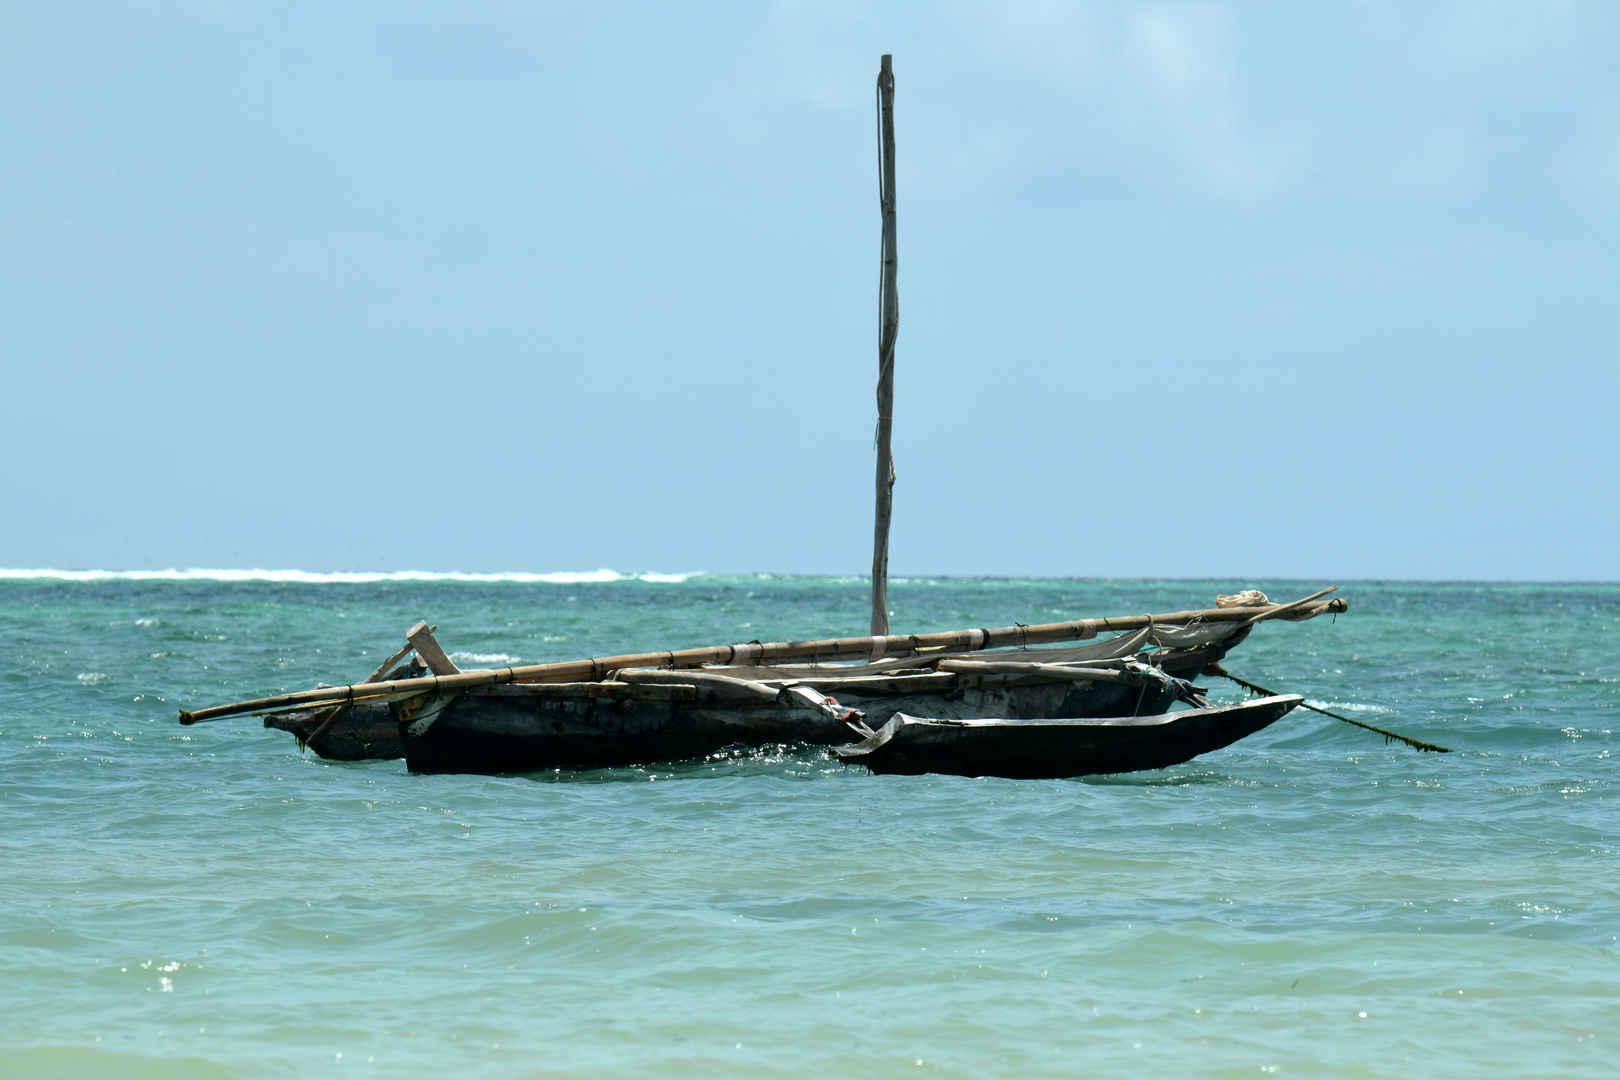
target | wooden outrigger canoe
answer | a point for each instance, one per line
(1052, 749)
(659, 706)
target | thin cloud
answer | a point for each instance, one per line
(1175, 100)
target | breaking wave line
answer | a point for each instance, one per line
(342, 577)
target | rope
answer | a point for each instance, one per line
(1180, 689)
(1418, 744)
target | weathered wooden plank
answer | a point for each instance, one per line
(421, 638)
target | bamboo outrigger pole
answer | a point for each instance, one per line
(888, 330)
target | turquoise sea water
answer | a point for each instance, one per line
(206, 901)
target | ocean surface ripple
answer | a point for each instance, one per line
(206, 901)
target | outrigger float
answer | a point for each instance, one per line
(1048, 749)
(981, 699)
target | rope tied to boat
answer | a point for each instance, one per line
(1180, 689)
(1389, 736)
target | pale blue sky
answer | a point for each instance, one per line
(1322, 290)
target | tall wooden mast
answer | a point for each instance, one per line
(888, 330)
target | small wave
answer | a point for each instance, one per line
(92, 676)
(1351, 707)
(343, 577)
(483, 658)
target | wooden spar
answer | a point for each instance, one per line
(1051, 671)
(388, 664)
(1283, 609)
(888, 330)
(829, 649)
(330, 722)
(702, 679)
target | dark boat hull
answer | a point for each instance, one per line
(507, 729)
(527, 727)
(367, 732)
(1025, 749)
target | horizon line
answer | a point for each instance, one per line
(606, 576)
